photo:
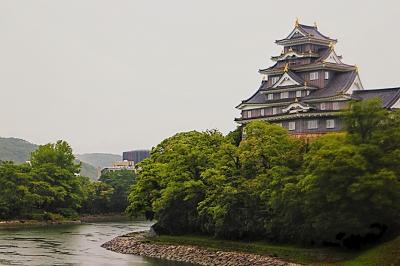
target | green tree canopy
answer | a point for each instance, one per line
(120, 182)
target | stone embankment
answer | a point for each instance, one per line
(139, 244)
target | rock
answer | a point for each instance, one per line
(152, 232)
(136, 243)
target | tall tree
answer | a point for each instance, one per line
(120, 182)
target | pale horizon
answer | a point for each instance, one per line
(112, 76)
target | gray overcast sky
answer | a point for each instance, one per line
(109, 76)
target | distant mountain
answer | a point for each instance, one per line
(16, 150)
(89, 170)
(100, 160)
(19, 151)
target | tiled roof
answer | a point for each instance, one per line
(312, 30)
(338, 84)
(389, 96)
(324, 55)
(256, 97)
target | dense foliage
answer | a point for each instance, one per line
(342, 188)
(49, 187)
(110, 193)
(19, 151)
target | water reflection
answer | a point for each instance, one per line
(70, 245)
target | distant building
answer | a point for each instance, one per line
(121, 165)
(129, 160)
(309, 86)
(136, 156)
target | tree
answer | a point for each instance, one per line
(98, 198)
(15, 197)
(55, 178)
(169, 184)
(363, 119)
(120, 182)
(341, 197)
(266, 146)
(59, 154)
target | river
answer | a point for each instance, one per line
(71, 245)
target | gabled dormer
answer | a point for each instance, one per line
(355, 85)
(296, 107)
(292, 54)
(288, 79)
(332, 57)
(297, 32)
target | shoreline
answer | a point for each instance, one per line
(139, 244)
(30, 223)
(83, 219)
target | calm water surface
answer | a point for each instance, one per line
(70, 245)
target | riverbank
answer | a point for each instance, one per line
(142, 245)
(22, 223)
(204, 250)
(110, 217)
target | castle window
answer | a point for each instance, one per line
(284, 95)
(326, 75)
(262, 112)
(335, 106)
(292, 125)
(249, 114)
(330, 123)
(270, 96)
(274, 110)
(322, 106)
(274, 80)
(298, 93)
(312, 124)
(313, 75)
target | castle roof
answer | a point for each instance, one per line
(305, 33)
(389, 96)
(339, 84)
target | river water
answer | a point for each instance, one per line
(71, 245)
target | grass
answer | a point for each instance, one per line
(385, 254)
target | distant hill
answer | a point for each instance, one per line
(89, 170)
(100, 160)
(19, 151)
(16, 150)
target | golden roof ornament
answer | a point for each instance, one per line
(264, 78)
(331, 45)
(305, 83)
(356, 66)
(286, 69)
(296, 23)
(315, 24)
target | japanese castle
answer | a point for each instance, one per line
(308, 86)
